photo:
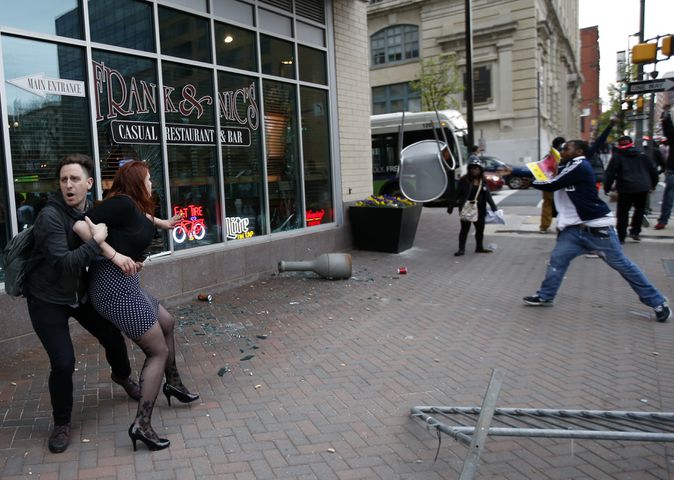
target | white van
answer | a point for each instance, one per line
(418, 126)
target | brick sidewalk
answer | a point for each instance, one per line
(303, 378)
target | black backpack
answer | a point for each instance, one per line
(15, 259)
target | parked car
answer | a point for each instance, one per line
(514, 181)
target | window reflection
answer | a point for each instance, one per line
(192, 159)
(245, 206)
(312, 65)
(316, 151)
(278, 57)
(184, 35)
(283, 169)
(125, 23)
(48, 116)
(55, 17)
(127, 122)
(5, 223)
(235, 47)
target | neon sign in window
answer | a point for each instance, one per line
(315, 217)
(192, 226)
(237, 228)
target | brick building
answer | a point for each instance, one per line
(590, 103)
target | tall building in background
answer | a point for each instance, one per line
(590, 103)
(525, 62)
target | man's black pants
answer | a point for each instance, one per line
(627, 200)
(50, 322)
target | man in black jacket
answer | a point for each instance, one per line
(56, 290)
(632, 174)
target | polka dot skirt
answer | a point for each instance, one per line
(121, 299)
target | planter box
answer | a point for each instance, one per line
(384, 229)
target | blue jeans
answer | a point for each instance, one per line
(574, 241)
(667, 198)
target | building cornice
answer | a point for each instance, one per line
(490, 33)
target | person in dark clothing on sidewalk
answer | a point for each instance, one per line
(56, 288)
(632, 175)
(586, 226)
(668, 196)
(473, 187)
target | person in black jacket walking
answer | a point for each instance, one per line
(473, 186)
(56, 290)
(633, 175)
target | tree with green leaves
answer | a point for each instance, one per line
(439, 79)
(614, 111)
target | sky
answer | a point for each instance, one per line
(617, 20)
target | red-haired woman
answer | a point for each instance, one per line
(115, 291)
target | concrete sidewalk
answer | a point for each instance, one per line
(303, 378)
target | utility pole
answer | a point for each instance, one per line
(640, 72)
(469, 73)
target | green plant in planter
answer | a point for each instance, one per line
(385, 201)
(384, 223)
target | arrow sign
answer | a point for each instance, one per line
(648, 86)
(41, 85)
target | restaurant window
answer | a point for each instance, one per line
(242, 168)
(54, 17)
(395, 98)
(235, 47)
(283, 167)
(192, 160)
(5, 223)
(124, 23)
(312, 65)
(48, 116)
(234, 10)
(316, 153)
(127, 124)
(278, 57)
(184, 35)
(394, 44)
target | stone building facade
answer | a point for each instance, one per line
(525, 60)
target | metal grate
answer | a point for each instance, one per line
(282, 4)
(311, 9)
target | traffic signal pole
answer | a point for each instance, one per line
(469, 73)
(640, 72)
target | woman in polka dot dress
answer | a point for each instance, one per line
(115, 291)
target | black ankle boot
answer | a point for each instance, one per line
(131, 388)
(183, 395)
(459, 252)
(59, 438)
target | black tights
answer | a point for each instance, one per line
(159, 347)
(479, 233)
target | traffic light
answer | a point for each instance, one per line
(644, 52)
(666, 46)
(640, 103)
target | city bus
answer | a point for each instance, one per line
(418, 126)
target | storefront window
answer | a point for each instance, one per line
(184, 35)
(234, 10)
(316, 152)
(125, 23)
(235, 47)
(312, 65)
(245, 206)
(55, 17)
(278, 57)
(127, 121)
(283, 168)
(5, 223)
(48, 116)
(192, 159)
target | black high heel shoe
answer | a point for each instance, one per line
(136, 434)
(184, 397)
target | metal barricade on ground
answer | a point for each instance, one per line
(472, 425)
